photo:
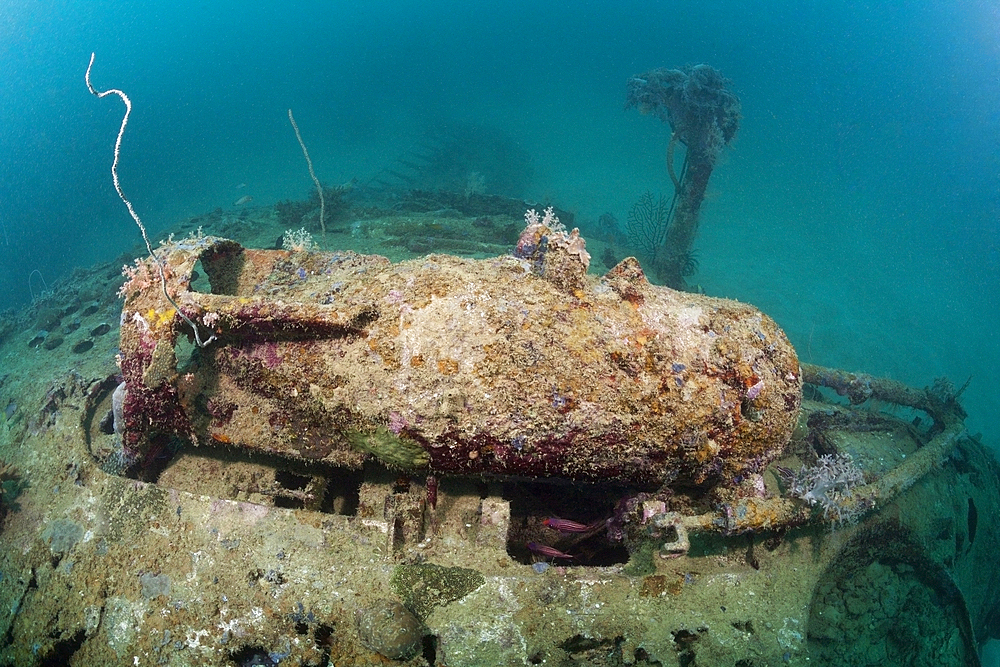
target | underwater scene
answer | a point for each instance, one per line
(461, 333)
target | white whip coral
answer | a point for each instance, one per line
(131, 210)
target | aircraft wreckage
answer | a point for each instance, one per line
(510, 461)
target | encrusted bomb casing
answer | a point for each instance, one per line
(459, 366)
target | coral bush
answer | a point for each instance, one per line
(298, 241)
(830, 485)
(554, 254)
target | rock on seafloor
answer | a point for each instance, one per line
(391, 629)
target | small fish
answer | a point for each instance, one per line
(245, 199)
(240, 186)
(547, 552)
(786, 473)
(346, 187)
(565, 525)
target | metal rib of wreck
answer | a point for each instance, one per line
(517, 365)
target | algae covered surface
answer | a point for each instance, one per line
(425, 586)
